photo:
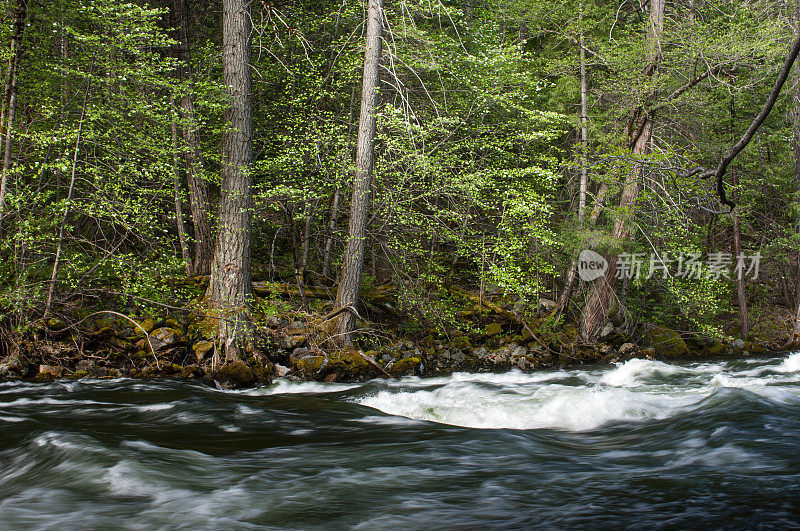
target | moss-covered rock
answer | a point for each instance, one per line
(462, 343)
(309, 367)
(235, 375)
(666, 343)
(165, 338)
(148, 325)
(492, 329)
(405, 367)
(56, 371)
(203, 350)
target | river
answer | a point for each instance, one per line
(638, 445)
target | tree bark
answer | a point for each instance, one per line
(737, 249)
(601, 293)
(198, 187)
(794, 118)
(352, 269)
(176, 185)
(10, 97)
(230, 285)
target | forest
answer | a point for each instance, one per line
(347, 189)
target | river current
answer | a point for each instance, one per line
(642, 444)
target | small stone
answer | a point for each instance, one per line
(147, 325)
(607, 329)
(626, 348)
(281, 371)
(330, 378)
(85, 366)
(738, 344)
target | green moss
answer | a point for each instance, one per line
(666, 343)
(493, 329)
(405, 366)
(236, 374)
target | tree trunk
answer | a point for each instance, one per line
(176, 185)
(794, 117)
(229, 288)
(198, 187)
(569, 283)
(601, 294)
(10, 96)
(347, 294)
(737, 249)
(326, 261)
(62, 226)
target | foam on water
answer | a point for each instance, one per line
(636, 390)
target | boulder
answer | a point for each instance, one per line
(165, 338)
(56, 371)
(13, 368)
(281, 371)
(85, 366)
(666, 343)
(203, 350)
(405, 367)
(293, 342)
(235, 375)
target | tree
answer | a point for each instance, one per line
(640, 129)
(198, 188)
(353, 266)
(230, 284)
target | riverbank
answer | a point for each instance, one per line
(493, 335)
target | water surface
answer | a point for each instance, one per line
(641, 444)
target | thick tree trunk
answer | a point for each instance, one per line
(230, 285)
(10, 97)
(602, 296)
(352, 269)
(198, 187)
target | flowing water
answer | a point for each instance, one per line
(642, 444)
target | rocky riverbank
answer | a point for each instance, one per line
(111, 345)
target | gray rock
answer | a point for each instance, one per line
(281, 371)
(165, 338)
(627, 348)
(738, 344)
(607, 329)
(547, 304)
(85, 365)
(292, 342)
